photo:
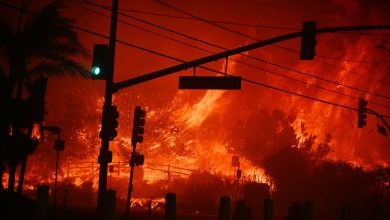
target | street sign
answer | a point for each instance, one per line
(210, 82)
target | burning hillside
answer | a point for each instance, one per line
(291, 143)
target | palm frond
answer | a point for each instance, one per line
(51, 58)
(49, 30)
(45, 45)
(66, 67)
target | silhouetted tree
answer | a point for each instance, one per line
(43, 45)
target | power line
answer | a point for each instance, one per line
(356, 73)
(269, 5)
(354, 61)
(294, 93)
(238, 23)
(297, 94)
(327, 80)
(100, 35)
(212, 70)
(173, 58)
(140, 28)
(233, 31)
(253, 66)
(155, 25)
(247, 80)
(214, 21)
(256, 39)
(194, 19)
(337, 58)
(220, 47)
(365, 34)
(316, 86)
(206, 21)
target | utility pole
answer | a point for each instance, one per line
(105, 155)
(130, 187)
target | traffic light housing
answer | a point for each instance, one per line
(105, 157)
(100, 61)
(59, 145)
(308, 40)
(362, 113)
(138, 123)
(110, 122)
(137, 159)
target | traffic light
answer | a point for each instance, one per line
(100, 61)
(362, 113)
(110, 122)
(137, 159)
(138, 123)
(59, 145)
(308, 40)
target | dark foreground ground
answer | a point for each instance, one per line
(15, 207)
(90, 214)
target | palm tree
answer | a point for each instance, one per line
(45, 44)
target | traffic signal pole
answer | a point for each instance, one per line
(130, 187)
(136, 137)
(104, 150)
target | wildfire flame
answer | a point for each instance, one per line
(189, 132)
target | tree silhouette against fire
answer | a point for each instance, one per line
(39, 46)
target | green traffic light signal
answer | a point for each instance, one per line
(95, 70)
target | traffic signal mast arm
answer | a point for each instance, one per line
(200, 61)
(380, 117)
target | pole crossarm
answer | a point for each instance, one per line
(214, 57)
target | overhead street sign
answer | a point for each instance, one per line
(210, 82)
